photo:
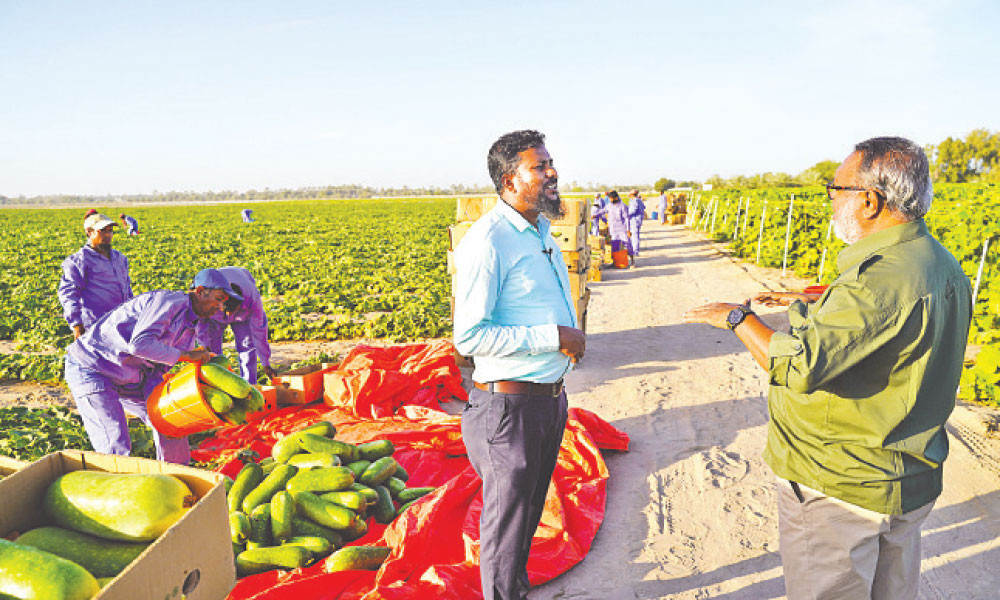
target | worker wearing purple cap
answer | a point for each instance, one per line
(248, 322)
(95, 278)
(115, 365)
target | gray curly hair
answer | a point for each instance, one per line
(898, 169)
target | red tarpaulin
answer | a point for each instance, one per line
(435, 542)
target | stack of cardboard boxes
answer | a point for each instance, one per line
(570, 233)
(676, 208)
(597, 244)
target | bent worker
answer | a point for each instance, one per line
(115, 365)
(95, 278)
(131, 225)
(862, 384)
(514, 314)
(248, 321)
(246, 215)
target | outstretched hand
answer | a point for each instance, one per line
(713, 314)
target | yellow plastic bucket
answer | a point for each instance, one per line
(177, 407)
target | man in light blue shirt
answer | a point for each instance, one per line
(514, 314)
(116, 363)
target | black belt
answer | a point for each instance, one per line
(526, 388)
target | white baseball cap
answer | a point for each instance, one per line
(97, 221)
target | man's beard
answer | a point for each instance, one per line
(102, 247)
(550, 207)
(846, 228)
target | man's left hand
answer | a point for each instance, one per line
(270, 372)
(713, 314)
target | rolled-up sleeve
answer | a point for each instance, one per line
(478, 280)
(846, 326)
(70, 289)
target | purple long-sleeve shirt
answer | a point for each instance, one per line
(617, 215)
(92, 285)
(250, 312)
(142, 337)
(636, 212)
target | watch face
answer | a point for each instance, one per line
(735, 317)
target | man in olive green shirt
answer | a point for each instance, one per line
(862, 384)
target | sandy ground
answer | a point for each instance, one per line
(691, 509)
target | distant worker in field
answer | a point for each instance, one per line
(246, 214)
(596, 217)
(636, 214)
(248, 321)
(95, 278)
(663, 207)
(862, 385)
(115, 365)
(512, 313)
(130, 224)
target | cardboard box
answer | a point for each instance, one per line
(570, 237)
(581, 305)
(577, 285)
(457, 231)
(194, 557)
(596, 242)
(302, 385)
(451, 263)
(577, 211)
(470, 209)
(595, 274)
(577, 261)
(677, 219)
(10, 465)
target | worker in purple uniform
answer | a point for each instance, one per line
(248, 322)
(115, 365)
(131, 225)
(596, 216)
(95, 278)
(636, 213)
(616, 213)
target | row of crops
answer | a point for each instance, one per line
(333, 269)
(963, 217)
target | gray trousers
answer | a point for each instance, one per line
(834, 550)
(512, 441)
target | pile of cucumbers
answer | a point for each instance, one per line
(311, 496)
(229, 395)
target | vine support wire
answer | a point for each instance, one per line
(979, 274)
(822, 260)
(715, 211)
(760, 234)
(788, 233)
(694, 212)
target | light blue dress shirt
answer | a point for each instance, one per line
(511, 292)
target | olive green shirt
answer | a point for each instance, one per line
(861, 387)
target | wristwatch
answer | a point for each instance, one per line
(738, 315)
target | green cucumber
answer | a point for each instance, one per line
(319, 546)
(411, 494)
(306, 528)
(27, 572)
(368, 558)
(239, 527)
(375, 450)
(325, 513)
(357, 528)
(323, 428)
(310, 442)
(370, 496)
(401, 473)
(395, 486)
(255, 400)
(384, 512)
(346, 498)
(102, 558)
(321, 479)
(219, 401)
(272, 484)
(379, 471)
(220, 360)
(227, 381)
(309, 460)
(259, 560)
(282, 511)
(358, 467)
(260, 527)
(403, 507)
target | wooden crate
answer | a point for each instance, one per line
(581, 304)
(451, 262)
(595, 274)
(677, 219)
(577, 261)
(457, 231)
(570, 237)
(578, 284)
(577, 212)
(596, 242)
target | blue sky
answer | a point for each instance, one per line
(135, 96)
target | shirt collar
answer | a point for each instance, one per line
(872, 244)
(518, 221)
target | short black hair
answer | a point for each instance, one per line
(502, 158)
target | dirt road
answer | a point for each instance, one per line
(691, 508)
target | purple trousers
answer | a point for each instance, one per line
(102, 406)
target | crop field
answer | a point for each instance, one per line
(962, 217)
(328, 270)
